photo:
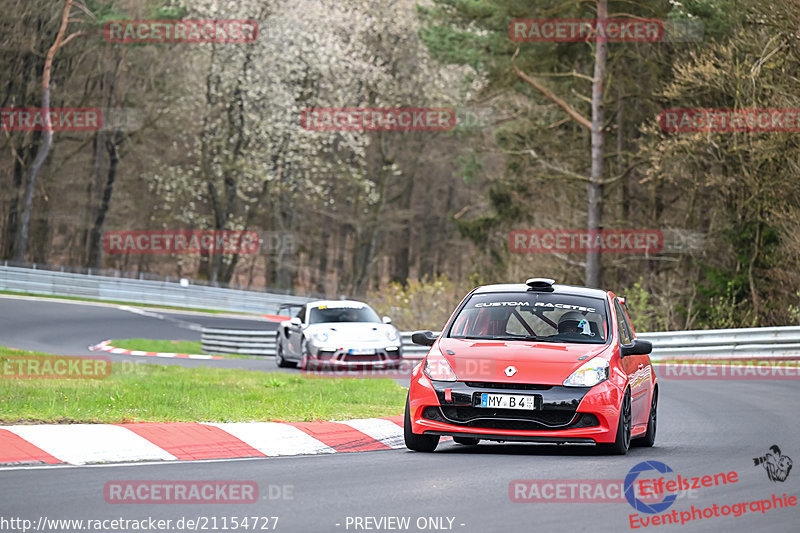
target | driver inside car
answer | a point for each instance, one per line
(574, 322)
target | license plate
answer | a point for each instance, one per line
(362, 351)
(508, 401)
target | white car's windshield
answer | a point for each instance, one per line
(536, 316)
(325, 314)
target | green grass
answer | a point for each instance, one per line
(132, 304)
(150, 345)
(159, 393)
(188, 347)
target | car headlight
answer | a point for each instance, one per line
(437, 368)
(589, 373)
(320, 336)
(391, 335)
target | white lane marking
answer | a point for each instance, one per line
(273, 438)
(105, 347)
(91, 443)
(161, 463)
(152, 314)
(385, 431)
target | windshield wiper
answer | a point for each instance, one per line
(519, 338)
(500, 337)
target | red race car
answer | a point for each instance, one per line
(534, 362)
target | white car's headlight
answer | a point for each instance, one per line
(589, 373)
(320, 336)
(391, 335)
(438, 369)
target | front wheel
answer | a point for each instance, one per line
(417, 443)
(623, 439)
(466, 441)
(304, 356)
(280, 360)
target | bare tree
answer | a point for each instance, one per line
(595, 126)
(27, 206)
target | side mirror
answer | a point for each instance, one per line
(386, 320)
(294, 321)
(423, 338)
(637, 347)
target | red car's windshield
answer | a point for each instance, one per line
(547, 317)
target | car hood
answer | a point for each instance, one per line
(354, 331)
(535, 362)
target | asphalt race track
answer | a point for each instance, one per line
(69, 328)
(705, 427)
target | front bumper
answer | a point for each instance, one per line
(562, 414)
(342, 358)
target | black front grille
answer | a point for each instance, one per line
(469, 414)
(361, 358)
(510, 419)
(517, 386)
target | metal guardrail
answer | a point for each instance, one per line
(262, 342)
(742, 343)
(53, 283)
(238, 341)
(747, 343)
(411, 350)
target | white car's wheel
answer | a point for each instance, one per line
(303, 365)
(280, 360)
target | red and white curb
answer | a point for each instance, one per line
(81, 444)
(105, 346)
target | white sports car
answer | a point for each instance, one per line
(337, 334)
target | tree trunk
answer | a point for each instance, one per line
(595, 187)
(96, 235)
(21, 242)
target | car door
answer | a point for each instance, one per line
(634, 366)
(644, 369)
(295, 336)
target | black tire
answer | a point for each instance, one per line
(279, 359)
(417, 443)
(303, 364)
(466, 441)
(649, 437)
(623, 439)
